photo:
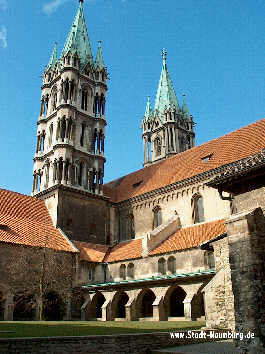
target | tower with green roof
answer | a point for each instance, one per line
(168, 129)
(69, 156)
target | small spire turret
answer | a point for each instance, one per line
(53, 59)
(99, 62)
(185, 110)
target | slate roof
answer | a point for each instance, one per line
(26, 221)
(229, 148)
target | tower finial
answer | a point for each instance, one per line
(164, 56)
(81, 1)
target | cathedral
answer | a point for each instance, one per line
(151, 245)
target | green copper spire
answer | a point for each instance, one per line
(77, 40)
(53, 59)
(99, 62)
(148, 111)
(185, 110)
(165, 96)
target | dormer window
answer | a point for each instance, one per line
(206, 158)
(137, 184)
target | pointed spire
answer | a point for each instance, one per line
(185, 110)
(53, 59)
(148, 111)
(165, 96)
(99, 62)
(77, 40)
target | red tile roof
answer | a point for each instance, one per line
(91, 252)
(125, 250)
(190, 237)
(224, 150)
(26, 221)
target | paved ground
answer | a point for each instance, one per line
(220, 347)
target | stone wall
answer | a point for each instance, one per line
(23, 269)
(108, 344)
(246, 233)
(219, 297)
(177, 201)
(186, 261)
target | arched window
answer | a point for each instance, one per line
(84, 99)
(157, 146)
(197, 209)
(171, 264)
(130, 227)
(209, 261)
(161, 266)
(130, 270)
(123, 272)
(157, 216)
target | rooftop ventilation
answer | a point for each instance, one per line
(206, 158)
(3, 227)
(137, 184)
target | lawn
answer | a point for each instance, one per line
(82, 328)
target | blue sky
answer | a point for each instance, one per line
(215, 56)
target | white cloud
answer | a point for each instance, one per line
(51, 6)
(3, 4)
(3, 35)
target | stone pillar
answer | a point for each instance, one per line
(187, 307)
(63, 173)
(68, 308)
(85, 309)
(106, 310)
(246, 238)
(158, 309)
(9, 307)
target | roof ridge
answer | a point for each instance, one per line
(185, 152)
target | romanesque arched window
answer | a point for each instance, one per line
(171, 264)
(161, 266)
(157, 217)
(197, 208)
(123, 271)
(130, 270)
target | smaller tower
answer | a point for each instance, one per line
(168, 129)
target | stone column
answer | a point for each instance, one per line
(158, 309)
(9, 307)
(68, 307)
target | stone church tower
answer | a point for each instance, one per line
(69, 159)
(168, 129)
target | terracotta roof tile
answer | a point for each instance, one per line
(190, 237)
(125, 250)
(91, 252)
(26, 221)
(224, 150)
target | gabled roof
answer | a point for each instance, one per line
(229, 148)
(190, 237)
(77, 40)
(26, 221)
(91, 252)
(165, 96)
(124, 251)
